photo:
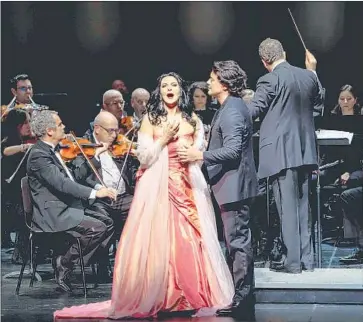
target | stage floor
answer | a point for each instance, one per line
(39, 303)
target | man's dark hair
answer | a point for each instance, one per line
(15, 79)
(271, 50)
(231, 75)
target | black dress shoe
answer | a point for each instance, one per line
(226, 311)
(238, 310)
(281, 268)
(7, 244)
(104, 274)
(307, 268)
(355, 258)
(62, 274)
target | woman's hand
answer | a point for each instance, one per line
(170, 131)
(344, 178)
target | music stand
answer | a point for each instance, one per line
(327, 138)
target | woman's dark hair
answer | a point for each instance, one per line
(231, 75)
(155, 106)
(356, 109)
(203, 86)
(15, 118)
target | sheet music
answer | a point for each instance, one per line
(333, 134)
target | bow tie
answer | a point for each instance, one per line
(57, 148)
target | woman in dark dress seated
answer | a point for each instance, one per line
(198, 93)
(15, 141)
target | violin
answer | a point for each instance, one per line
(74, 140)
(69, 150)
(126, 124)
(122, 146)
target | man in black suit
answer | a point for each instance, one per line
(285, 100)
(115, 172)
(232, 175)
(56, 197)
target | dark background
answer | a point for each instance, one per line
(150, 42)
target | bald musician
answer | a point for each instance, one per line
(116, 173)
(139, 99)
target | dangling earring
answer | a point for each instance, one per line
(161, 103)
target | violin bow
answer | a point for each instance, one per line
(136, 124)
(125, 161)
(18, 167)
(129, 150)
(297, 29)
(73, 136)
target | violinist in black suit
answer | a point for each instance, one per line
(57, 197)
(117, 173)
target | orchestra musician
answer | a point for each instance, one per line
(17, 138)
(113, 102)
(129, 125)
(22, 90)
(116, 172)
(119, 85)
(202, 104)
(347, 102)
(352, 201)
(57, 197)
(139, 99)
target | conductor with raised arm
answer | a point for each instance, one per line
(285, 101)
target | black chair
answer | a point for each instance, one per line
(35, 234)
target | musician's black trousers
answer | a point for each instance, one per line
(95, 232)
(352, 203)
(291, 191)
(238, 237)
(118, 215)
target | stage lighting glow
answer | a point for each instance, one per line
(22, 20)
(206, 26)
(97, 24)
(321, 23)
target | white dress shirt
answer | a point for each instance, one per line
(111, 174)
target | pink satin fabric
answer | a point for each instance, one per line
(161, 262)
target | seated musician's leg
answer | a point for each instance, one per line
(7, 223)
(125, 208)
(92, 233)
(101, 212)
(352, 210)
(102, 215)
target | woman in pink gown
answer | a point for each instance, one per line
(169, 257)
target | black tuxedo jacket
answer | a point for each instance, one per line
(229, 157)
(56, 198)
(285, 101)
